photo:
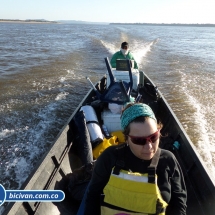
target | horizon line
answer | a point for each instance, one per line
(126, 23)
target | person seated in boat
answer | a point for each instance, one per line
(136, 176)
(124, 53)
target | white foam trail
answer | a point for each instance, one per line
(61, 96)
(124, 35)
(62, 79)
(204, 144)
(140, 50)
(110, 47)
(6, 132)
(21, 170)
(29, 145)
(72, 75)
(70, 72)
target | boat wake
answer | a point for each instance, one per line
(138, 48)
(202, 130)
(141, 49)
(30, 124)
(110, 47)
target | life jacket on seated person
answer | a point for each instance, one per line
(132, 193)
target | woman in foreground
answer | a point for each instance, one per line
(136, 177)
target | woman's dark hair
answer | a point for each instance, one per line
(140, 119)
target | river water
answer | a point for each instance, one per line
(42, 80)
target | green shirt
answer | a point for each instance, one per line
(119, 55)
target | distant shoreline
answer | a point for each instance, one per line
(27, 21)
(43, 21)
(164, 24)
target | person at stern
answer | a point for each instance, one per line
(124, 53)
(137, 177)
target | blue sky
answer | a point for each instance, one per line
(154, 11)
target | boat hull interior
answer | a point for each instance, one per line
(60, 160)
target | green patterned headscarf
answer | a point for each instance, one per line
(135, 111)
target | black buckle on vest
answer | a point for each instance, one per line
(151, 175)
(119, 165)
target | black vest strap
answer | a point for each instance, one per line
(120, 162)
(151, 170)
(152, 167)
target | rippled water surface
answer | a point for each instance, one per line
(42, 80)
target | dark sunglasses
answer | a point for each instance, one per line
(142, 140)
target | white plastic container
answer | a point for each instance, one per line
(115, 108)
(111, 120)
(124, 76)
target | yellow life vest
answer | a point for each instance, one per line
(129, 193)
(97, 151)
(117, 138)
(120, 136)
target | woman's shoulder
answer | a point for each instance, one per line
(112, 151)
(166, 152)
(107, 159)
(167, 160)
(167, 155)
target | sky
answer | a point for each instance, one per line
(121, 11)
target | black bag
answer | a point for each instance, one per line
(78, 134)
(149, 90)
(78, 181)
